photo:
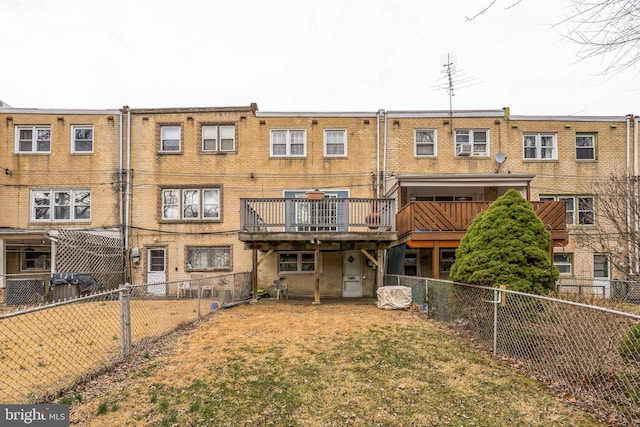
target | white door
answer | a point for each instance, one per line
(157, 271)
(601, 275)
(351, 275)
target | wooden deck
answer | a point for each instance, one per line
(429, 222)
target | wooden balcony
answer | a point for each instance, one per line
(328, 220)
(424, 223)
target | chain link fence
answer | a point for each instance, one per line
(50, 348)
(589, 354)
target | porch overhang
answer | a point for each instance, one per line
(508, 180)
(476, 179)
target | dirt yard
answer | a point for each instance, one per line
(287, 363)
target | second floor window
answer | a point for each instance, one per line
(472, 142)
(584, 214)
(585, 146)
(191, 204)
(425, 140)
(170, 138)
(217, 138)
(82, 139)
(539, 146)
(335, 142)
(33, 139)
(60, 205)
(288, 143)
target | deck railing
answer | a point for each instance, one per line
(457, 216)
(327, 215)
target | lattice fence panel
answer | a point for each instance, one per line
(99, 255)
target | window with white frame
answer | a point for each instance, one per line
(209, 258)
(33, 139)
(60, 205)
(540, 146)
(191, 204)
(335, 142)
(564, 262)
(288, 143)
(585, 146)
(218, 138)
(296, 262)
(170, 138)
(81, 139)
(585, 212)
(425, 142)
(472, 142)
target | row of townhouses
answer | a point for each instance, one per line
(329, 200)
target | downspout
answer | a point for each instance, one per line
(384, 155)
(631, 192)
(128, 196)
(120, 163)
(635, 188)
(378, 154)
(121, 199)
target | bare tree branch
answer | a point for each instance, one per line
(605, 28)
(616, 232)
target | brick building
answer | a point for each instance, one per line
(209, 191)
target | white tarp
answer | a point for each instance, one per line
(394, 297)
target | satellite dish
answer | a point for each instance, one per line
(500, 157)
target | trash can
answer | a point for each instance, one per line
(62, 291)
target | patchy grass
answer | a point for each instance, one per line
(44, 351)
(278, 364)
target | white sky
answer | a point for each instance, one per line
(297, 55)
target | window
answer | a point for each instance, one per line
(472, 142)
(447, 259)
(425, 140)
(191, 204)
(60, 205)
(538, 146)
(600, 266)
(288, 143)
(209, 258)
(564, 262)
(81, 139)
(335, 142)
(326, 214)
(218, 138)
(33, 259)
(170, 138)
(296, 262)
(585, 212)
(411, 263)
(317, 215)
(586, 146)
(33, 139)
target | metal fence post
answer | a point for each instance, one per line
(426, 295)
(125, 320)
(199, 297)
(496, 301)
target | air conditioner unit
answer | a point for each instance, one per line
(464, 150)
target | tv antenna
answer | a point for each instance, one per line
(452, 76)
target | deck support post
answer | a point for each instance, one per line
(316, 268)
